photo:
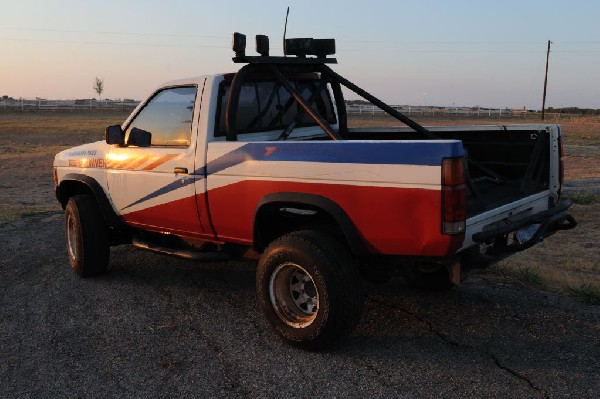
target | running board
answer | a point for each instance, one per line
(181, 253)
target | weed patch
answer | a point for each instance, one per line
(584, 292)
(583, 198)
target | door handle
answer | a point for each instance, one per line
(180, 170)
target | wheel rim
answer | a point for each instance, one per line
(294, 295)
(72, 237)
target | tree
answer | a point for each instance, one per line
(99, 86)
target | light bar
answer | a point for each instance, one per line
(300, 47)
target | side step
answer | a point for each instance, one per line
(181, 253)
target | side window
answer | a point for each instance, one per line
(168, 117)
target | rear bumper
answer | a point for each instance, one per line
(548, 222)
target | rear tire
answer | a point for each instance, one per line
(86, 236)
(309, 289)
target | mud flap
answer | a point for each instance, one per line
(454, 273)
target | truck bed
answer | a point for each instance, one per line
(505, 163)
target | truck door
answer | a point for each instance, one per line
(152, 187)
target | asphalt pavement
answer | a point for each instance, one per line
(158, 326)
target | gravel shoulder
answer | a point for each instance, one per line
(157, 326)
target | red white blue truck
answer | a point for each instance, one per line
(261, 163)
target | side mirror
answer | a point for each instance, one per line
(139, 138)
(114, 135)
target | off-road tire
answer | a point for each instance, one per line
(86, 236)
(309, 289)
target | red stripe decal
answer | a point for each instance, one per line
(394, 221)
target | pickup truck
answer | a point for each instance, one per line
(262, 164)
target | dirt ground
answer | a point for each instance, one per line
(157, 326)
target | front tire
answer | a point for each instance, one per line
(309, 289)
(86, 236)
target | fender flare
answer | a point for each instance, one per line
(110, 216)
(354, 239)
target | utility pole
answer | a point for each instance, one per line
(545, 81)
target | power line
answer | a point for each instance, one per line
(190, 35)
(341, 49)
(118, 33)
(112, 43)
(392, 44)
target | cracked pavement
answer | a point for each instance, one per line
(156, 326)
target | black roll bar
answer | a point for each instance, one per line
(234, 98)
(307, 108)
(375, 101)
(274, 64)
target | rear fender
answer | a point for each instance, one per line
(341, 218)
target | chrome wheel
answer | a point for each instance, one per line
(72, 237)
(294, 295)
(309, 289)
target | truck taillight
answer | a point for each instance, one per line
(55, 177)
(454, 196)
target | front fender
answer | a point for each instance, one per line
(75, 183)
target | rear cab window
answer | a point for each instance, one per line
(265, 105)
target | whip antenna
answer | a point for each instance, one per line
(285, 31)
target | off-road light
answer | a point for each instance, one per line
(238, 44)
(300, 47)
(323, 47)
(262, 45)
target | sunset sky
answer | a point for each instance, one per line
(420, 52)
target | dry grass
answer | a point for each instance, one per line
(28, 143)
(58, 122)
(568, 262)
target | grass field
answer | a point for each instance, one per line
(568, 262)
(28, 143)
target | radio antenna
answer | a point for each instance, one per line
(285, 31)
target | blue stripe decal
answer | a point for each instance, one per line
(375, 153)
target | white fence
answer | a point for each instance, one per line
(40, 104)
(352, 109)
(366, 110)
